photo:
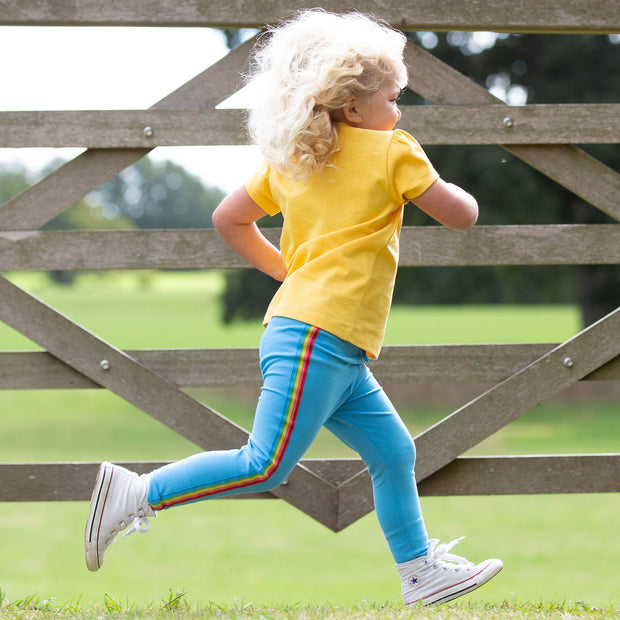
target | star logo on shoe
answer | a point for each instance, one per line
(414, 580)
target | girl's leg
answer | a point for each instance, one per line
(306, 374)
(368, 423)
(429, 573)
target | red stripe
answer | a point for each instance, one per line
(458, 583)
(289, 430)
(304, 373)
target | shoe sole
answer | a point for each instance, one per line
(93, 523)
(486, 573)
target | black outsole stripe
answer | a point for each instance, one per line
(96, 507)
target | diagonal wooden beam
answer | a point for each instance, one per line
(55, 193)
(551, 373)
(121, 374)
(569, 166)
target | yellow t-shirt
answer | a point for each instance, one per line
(341, 229)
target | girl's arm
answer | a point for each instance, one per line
(449, 205)
(235, 219)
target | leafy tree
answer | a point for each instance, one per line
(159, 195)
(13, 180)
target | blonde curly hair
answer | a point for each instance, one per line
(306, 68)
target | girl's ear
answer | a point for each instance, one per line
(350, 111)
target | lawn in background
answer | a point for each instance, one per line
(555, 548)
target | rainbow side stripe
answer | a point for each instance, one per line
(280, 445)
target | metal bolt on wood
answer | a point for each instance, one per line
(104, 365)
(568, 362)
(148, 131)
(508, 121)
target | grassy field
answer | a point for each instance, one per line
(557, 550)
(175, 606)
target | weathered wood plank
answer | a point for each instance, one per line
(494, 15)
(73, 481)
(186, 368)
(569, 166)
(104, 129)
(53, 482)
(115, 370)
(58, 191)
(500, 124)
(204, 249)
(479, 363)
(511, 245)
(520, 393)
(522, 475)
(442, 124)
(508, 475)
(38, 370)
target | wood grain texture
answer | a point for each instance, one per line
(436, 246)
(431, 125)
(493, 15)
(239, 367)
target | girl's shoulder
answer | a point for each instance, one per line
(403, 144)
(402, 139)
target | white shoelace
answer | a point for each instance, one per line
(140, 524)
(442, 552)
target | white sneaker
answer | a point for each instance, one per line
(440, 576)
(119, 497)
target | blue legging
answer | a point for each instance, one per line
(311, 379)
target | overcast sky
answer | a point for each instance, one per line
(50, 68)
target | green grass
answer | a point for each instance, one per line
(265, 558)
(175, 605)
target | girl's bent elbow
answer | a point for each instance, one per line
(468, 216)
(469, 220)
(218, 218)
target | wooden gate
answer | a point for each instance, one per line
(336, 492)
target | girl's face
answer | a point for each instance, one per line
(380, 110)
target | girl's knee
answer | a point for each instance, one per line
(398, 455)
(403, 452)
(275, 479)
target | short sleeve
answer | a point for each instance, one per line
(258, 188)
(411, 172)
